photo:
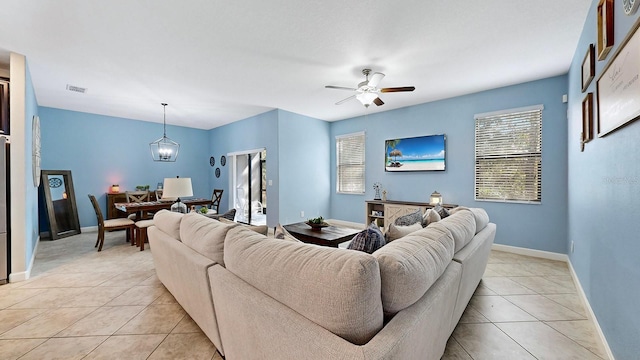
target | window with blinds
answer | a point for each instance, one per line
(350, 163)
(509, 155)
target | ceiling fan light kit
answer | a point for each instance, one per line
(367, 91)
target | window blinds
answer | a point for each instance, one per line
(350, 163)
(508, 164)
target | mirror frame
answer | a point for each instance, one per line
(54, 232)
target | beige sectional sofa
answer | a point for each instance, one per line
(263, 298)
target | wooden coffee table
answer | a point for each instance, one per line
(329, 236)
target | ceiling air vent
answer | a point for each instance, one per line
(77, 89)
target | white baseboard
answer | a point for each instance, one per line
(581, 294)
(89, 229)
(530, 252)
(24, 275)
(348, 224)
(591, 314)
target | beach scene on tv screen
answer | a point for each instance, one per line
(415, 154)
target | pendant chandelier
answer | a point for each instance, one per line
(164, 149)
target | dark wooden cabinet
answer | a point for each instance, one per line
(4, 106)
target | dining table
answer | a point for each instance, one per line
(152, 206)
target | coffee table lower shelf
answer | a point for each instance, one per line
(330, 236)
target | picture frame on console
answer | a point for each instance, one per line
(618, 86)
(422, 153)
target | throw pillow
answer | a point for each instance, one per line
(282, 234)
(441, 211)
(398, 231)
(368, 240)
(430, 216)
(410, 219)
(229, 215)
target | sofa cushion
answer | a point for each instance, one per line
(410, 265)
(482, 218)
(462, 225)
(410, 219)
(338, 290)
(398, 231)
(168, 222)
(368, 240)
(260, 229)
(430, 216)
(205, 235)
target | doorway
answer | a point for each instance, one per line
(248, 186)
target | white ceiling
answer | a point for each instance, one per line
(216, 62)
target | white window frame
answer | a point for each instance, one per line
(492, 147)
(357, 162)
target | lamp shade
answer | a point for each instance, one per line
(177, 187)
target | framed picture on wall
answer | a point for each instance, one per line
(619, 85)
(587, 118)
(588, 67)
(605, 28)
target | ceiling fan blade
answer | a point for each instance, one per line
(345, 100)
(375, 79)
(397, 89)
(339, 88)
(378, 101)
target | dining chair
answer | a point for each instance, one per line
(141, 232)
(111, 224)
(138, 197)
(216, 197)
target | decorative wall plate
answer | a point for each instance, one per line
(218, 172)
(223, 160)
(55, 182)
(630, 6)
(212, 161)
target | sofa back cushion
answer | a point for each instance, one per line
(205, 235)
(168, 222)
(482, 218)
(337, 289)
(398, 231)
(411, 264)
(462, 225)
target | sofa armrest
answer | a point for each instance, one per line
(183, 271)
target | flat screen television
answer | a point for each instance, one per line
(422, 153)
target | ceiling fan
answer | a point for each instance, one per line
(367, 91)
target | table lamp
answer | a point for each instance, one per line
(175, 188)
(435, 199)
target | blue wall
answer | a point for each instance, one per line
(604, 206)
(102, 150)
(304, 167)
(31, 218)
(260, 131)
(297, 162)
(541, 227)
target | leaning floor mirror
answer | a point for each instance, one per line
(60, 200)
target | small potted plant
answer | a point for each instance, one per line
(317, 223)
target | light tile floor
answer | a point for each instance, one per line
(81, 304)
